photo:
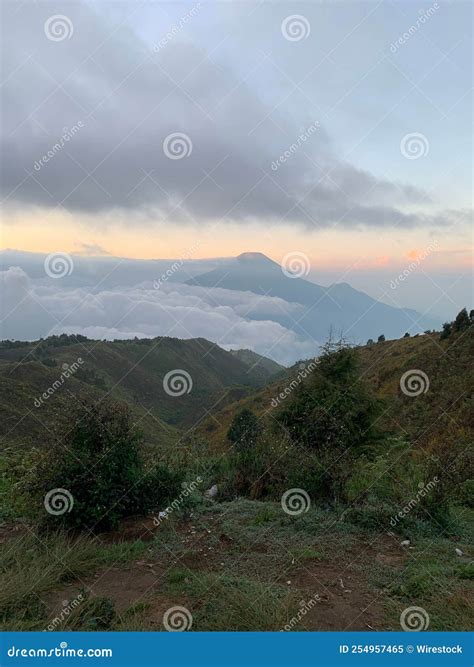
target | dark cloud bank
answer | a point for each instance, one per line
(117, 99)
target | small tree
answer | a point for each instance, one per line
(462, 321)
(406, 335)
(446, 332)
(381, 338)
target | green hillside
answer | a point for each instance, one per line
(333, 481)
(257, 361)
(133, 371)
(443, 414)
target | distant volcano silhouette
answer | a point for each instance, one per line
(339, 307)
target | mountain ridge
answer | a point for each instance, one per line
(341, 307)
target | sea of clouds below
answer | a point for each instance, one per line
(34, 308)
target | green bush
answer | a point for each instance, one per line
(261, 470)
(332, 419)
(465, 493)
(99, 466)
(401, 484)
(391, 476)
(244, 430)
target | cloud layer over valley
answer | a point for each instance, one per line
(35, 310)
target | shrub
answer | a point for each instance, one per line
(322, 474)
(101, 467)
(392, 476)
(261, 471)
(334, 416)
(244, 429)
(465, 493)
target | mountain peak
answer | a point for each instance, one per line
(254, 258)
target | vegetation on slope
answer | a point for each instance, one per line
(254, 360)
(131, 371)
(443, 414)
(348, 482)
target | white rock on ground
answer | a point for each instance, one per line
(212, 492)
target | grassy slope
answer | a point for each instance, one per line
(253, 360)
(442, 413)
(132, 371)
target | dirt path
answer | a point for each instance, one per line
(335, 593)
(344, 600)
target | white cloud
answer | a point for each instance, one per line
(176, 310)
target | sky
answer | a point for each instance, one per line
(160, 130)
